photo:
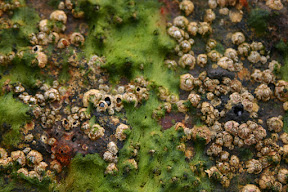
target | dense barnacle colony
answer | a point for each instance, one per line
(133, 95)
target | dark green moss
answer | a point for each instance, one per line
(282, 47)
(285, 121)
(258, 19)
(13, 114)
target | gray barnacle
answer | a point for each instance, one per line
(250, 188)
(202, 60)
(204, 28)
(33, 175)
(171, 64)
(224, 156)
(185, 46)
(243, 131)
(43, 26)
(187, 60)
(120, 132)
(53, 37)
(52, 95)
(42, 38)
(231, 53)
(209, 16)
(254, 166)
(187, 6)
(108, 156)
(282, 175)
(266, 180)
(274, 4)
(244, 49)
(180, 21)
(186, 82)
(214, 55)
(254, 57)
(34, 158)
(59, 15)
(281, 90)
(19, 88)
(96, 132)
(226, 63)
(212, 4)
(77, 39)
(112, 147)
(3, 153)
(214, 149)
(223, 167)
(260, 133)
(130, 98)
(194, 99)
(56, 166)
(263, 92)
(63, 43)
(274, 66)
(33, 39)
(19, 157)
(257, 75)
(23, 171)
(41, 167)
(275, 124)
(192, 28)
(181, 106)
(176, 33)
(93, 95)
(85, 127)
(238, 38)
(231, 127)
(234, 161)
(42, 59)
(111, 168)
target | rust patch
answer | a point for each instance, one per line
(170, 119)
(244, 74)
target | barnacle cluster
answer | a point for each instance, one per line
(101, 116)
(222, 134)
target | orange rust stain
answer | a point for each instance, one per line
(244, 3)
(243, 74)
(63, 152)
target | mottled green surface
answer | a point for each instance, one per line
(12, 113)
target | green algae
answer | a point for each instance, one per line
(13, 114)
(135, 46)
(25, 21)
(16, 40)
(258, 19)
(283, 48)
(21, 71)
(20, 182)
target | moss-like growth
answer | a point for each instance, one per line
(285, 121)
(12, 116)
(258, 20)
(25, 21)
(133, 39)
(283, 48)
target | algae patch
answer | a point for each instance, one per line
(136, 45)
(13, 114)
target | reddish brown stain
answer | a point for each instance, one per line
(170, 119)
